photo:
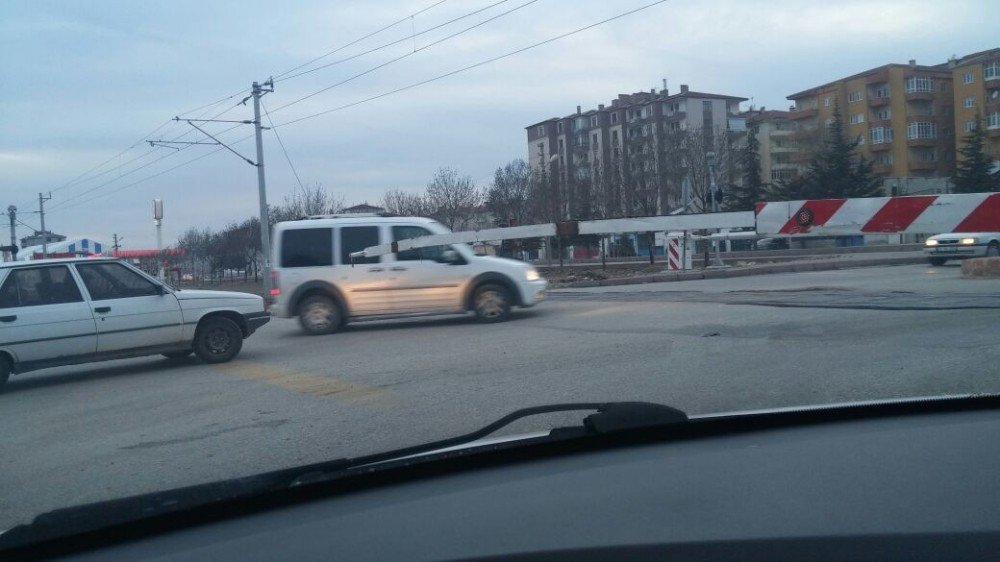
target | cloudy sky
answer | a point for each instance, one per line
(84, 81)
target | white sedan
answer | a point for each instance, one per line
(65, 312)
(960, 245)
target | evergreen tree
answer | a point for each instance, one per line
(744, 197)
(973, 175)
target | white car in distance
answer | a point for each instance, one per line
(315, 278)
(71, 311)
(961, 245)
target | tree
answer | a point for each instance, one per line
(453, 198)
(972, 175)
(745, 195)
(835, 172)
(313, 200)
(507, 197)
(405, 204)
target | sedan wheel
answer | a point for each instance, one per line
(993, 250)
(491, 303)
(218, 340)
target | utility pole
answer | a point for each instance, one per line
(41, 214)
(265, 223)
(158, 221)
(12, 214)
(116, 245)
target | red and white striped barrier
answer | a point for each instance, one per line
(678, 258)
(925, 214)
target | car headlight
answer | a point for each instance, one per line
(931, 243)
(532, 274)
(967, 241)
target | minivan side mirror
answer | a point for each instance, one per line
(450, 257)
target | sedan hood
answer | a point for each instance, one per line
(202, 294)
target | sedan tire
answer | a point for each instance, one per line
(5, 370)
(218, 340)
(993, 250)
(937, 262)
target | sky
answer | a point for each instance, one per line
(85, 84)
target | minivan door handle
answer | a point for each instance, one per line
(397, 268)
(375, 269)
(102, 309)
(10, 318)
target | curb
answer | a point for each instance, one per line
(744, 271)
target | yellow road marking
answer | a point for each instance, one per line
(303, 382)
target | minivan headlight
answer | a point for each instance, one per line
(532, 274)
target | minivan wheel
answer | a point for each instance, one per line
(491, 303)
(218, 340)
(319, 315)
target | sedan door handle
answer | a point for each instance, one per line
(375, 269)
(102, 309)
(8, 318)
(397, 268)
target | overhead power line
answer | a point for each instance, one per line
(391, 43)
(283, 149)
(401, 57)
(278, 77)
(472, 66)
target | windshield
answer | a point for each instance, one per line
(719, 206)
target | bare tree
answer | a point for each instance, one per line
(404, 203)
(454, 198)
(697, 159)
(312, 200)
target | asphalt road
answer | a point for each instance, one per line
(88, 433)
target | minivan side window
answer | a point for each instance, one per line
(307, 247)
(432, 253)
(35, 286)
(355, 239)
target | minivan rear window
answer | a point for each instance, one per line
(307, 247)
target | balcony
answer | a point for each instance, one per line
(882, 169)
(878, 78)
(915, 96)
(878, 102)
(921, 165)
(676, 115)
(881, 147)
(993, 132)
(783, 149)
(920, 142)
(805, 113)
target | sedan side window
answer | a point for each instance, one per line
(106, 281)
(36, 286)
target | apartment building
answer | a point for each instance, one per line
(902, 115)
(976, 80)
(628, 132)
(779, 151)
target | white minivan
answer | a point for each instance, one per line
(316, 280)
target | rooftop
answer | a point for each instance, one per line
(939, 68)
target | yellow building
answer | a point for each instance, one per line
(977, 94)
(902, 116)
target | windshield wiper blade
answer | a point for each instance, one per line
(609, 417)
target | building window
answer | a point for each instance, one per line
(859, 140)
(541, 150)
(593, 121)
(884, 159)
(991, 70)
(918, 84)
(559, 127)
(970, 126)
(884, 113)
(614, 117)
(993, 120)
(855, 96)
(968, 78)
(857, 118)
(926, 156)
(827, 101)
(920, 130)
(594, 139)
(706, 106)
(540, 131)
(881, 135)
(968, 102)
(881, 92)
(561, 146)
(782, 174)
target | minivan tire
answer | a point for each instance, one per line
(319, 315)
(217, 340)
(491, 303)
